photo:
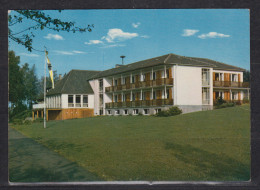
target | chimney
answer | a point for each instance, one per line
(119, 65)
(60, 76)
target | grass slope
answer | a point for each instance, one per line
(209, 145)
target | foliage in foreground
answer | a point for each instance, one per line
(170, 112)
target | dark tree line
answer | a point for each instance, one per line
(24, 86)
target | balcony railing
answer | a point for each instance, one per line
(141, 84)
(140, 103)
(230, 84)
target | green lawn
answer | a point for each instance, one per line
(209, 145)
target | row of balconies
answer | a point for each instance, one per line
(230, 84)
(141, 84)
(140, 103)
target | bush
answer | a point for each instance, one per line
(245, 101)
(225, 105)
(140, 114)
(22, 115)
(219, 101)
(17, 121)
(170, 112)
(39, 120)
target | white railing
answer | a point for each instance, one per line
(70, 105)
(205, 101)
(85, 104)
(78, 104)
(205, 82)
(38, 106)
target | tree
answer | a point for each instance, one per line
(48, 83)
(16, 85)
(30, 83)
(246, 76)
(40, 21)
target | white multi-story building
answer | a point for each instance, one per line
(148, 86)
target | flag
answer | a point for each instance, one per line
(49, 68)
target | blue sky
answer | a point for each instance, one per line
(218, 34)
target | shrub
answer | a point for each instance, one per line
(140, 114)
(170, 112)
(39, 120)
(225, 105)
(245, 100)
(17, 121)
(219, 101)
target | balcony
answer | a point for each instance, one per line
(38, 106)
(140, 103)
(141, 84)
(231, 84)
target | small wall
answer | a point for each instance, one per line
(71, 113)
(194, 108)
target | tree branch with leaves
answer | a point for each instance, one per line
(40, 21)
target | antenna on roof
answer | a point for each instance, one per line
(122, 56)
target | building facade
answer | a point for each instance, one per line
(146, 87)
(149, 86)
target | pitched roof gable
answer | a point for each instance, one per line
(75, 82)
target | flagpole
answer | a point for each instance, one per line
(44, 121)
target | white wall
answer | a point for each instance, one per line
(95, 87)
(187, 85)
(64, 101)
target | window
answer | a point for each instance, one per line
(133, 97)
(123, 97)
(143, 77)
(101, 99)
(205, 96)
(167, 73)
(116, 99)
(78, 100)
(115, 82)
(117, 112)
(100, 84)
(158, 110)
(154, 95)
(136, 111)
(109, 112)
(146, 111)
(133, 79)
(123, 80)
(100, 112)
(154, 75)
(143, 96)
(70, 101)
(85, 100)
(205, 77)
(125, 112)
(167, 94)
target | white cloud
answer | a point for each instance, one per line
(54, 36)
(64, 52)
(94, 42)
(213, 35)
(136, 25)
(78, 52)
(29, 54)
(117, 34)
(145, 36)
(113, 45)
(189, 32)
